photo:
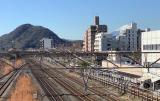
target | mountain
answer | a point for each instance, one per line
(28, 36)
(115, 33)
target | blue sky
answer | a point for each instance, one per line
(70, 18)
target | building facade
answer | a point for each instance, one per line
(150, 42)
(139, 35)
(103, 42)
(127, 38)
(46, 43)
(89, 36)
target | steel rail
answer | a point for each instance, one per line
(53, 95)
(69, 87)
(97, 92)
(10, 80)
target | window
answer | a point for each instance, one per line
(154, 47)
(144, 47)
(151, 47)
(128, 31)
(158, 47)
(108, 44)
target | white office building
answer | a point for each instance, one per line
(103, 42)
(127, 37)
(46, 43)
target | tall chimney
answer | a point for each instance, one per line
(96, 20)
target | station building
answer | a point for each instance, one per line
(150, 42)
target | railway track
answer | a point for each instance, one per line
(135, 91)
(65, 84)
(7, 83)
(47, 86)
(73, 90)
(108, 95)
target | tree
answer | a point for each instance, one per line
(83, 64)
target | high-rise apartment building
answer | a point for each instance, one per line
(127, 38)
(104, 42)
(89, 37)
